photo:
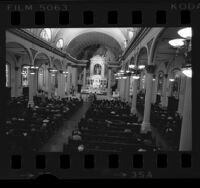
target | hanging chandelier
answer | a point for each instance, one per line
(185, 44)
(133, 71)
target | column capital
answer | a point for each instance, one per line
(150, 69)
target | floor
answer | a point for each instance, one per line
(55, 144)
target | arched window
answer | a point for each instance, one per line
(160, 82)
(60, 43)
(24, 76)
(8, 75)
(46, 34)
(176, 84)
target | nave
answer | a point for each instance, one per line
(97, 89)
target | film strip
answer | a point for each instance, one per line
(15, 16)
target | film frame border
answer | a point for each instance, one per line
(184, 17)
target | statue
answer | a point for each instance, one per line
(97, 69)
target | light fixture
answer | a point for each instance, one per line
(131, 66)
(171, 79)
(121, 71)
(26, 67)
(186, 32)
(177, 43)
(124, 77)
(136, 77)
(187, 70)
(141, 67)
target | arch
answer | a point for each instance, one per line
(41, 56)
(154, 44)
(18, 48)
(94, 40)
(141, 54)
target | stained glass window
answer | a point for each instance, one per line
(25, 76)
(7, 75)
(46, 34)
(60, 43)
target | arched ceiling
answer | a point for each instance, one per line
(77, 39)
(164, 52)
(78, 44)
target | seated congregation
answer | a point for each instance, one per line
(98, 89)
(108, 126)
(29, 128)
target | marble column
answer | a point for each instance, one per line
(49, 85)
(127, 89)
(109, 83)
(154, 91)
(124, 89)
(164, 91)
(62, 86)
(68, 79)
(182, 95)
(17, 76)
(74, 78)
(134, 97)
(59, 93)
(186, 128)
(148, 97)
(84, 77)
(120, 88)
(31, 89)
(35, 83)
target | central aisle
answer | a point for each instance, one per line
(55, 144)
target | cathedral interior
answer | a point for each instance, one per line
(98, 89)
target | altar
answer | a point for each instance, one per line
(96, 81)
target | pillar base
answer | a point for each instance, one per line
(145, 127)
